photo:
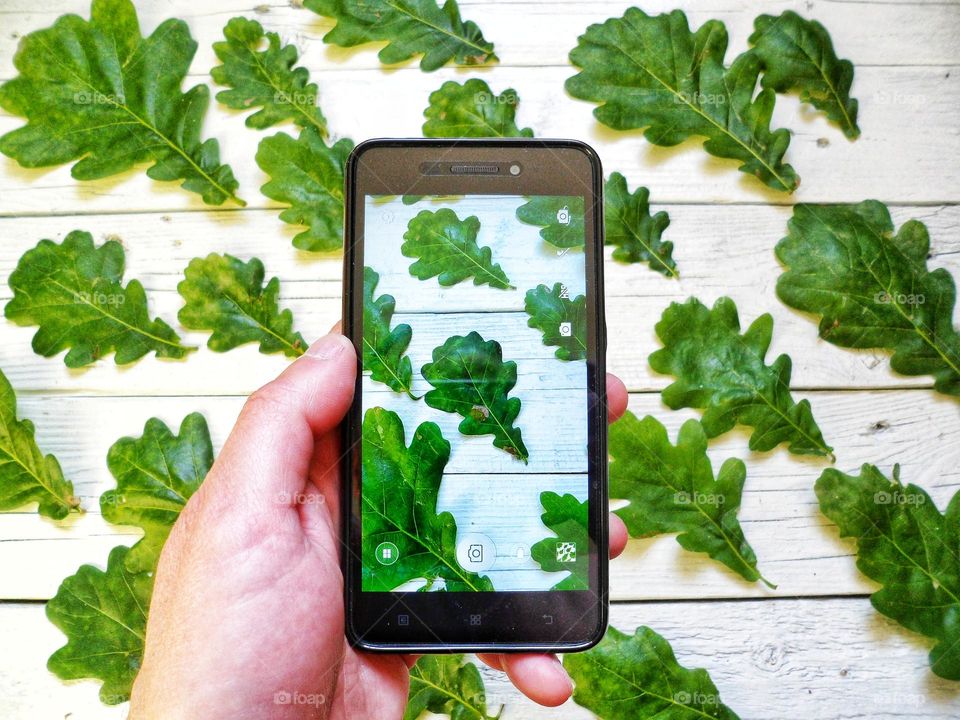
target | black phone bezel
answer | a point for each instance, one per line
(511, 621)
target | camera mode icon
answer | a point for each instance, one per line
(476, 552)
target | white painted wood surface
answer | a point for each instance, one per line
(811, 649)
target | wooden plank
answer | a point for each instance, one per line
(831, 659)
(508, 24)
(892, 160)
(720, 250)
(796, 546)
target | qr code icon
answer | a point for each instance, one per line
(566, 552)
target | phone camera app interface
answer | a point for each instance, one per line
(474, 436)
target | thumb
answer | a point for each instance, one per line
(268, 453)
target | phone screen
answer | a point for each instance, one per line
(474, 437)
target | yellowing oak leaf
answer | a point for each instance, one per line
(227, 296)
(264, 78)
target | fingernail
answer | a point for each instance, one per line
(562, 673)
(328, 347)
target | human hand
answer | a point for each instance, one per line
(247, 615)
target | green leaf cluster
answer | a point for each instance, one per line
(409, 27)
(470, 378)
(798, 54)
(633, 231)
(871, 287)
(73, 292)
(383, 346)
(227, 297)
(264, 78)
(399, 505)
(26, 474)
(569, 519)
(97, 92)
(724, 373)
(447, 685)
(446, 248)
(546, 211)
(548, 309)
(103, 613)
(472, 110)
(652, 72)
(671, 489)
(638, 676)
(906, 545)
(156, 474)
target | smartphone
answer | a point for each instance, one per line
(475, 453)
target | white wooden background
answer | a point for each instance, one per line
(811, 649)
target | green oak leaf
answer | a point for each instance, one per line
(909, 548)
(723, 372)
(568, 518)
(97, 92)
(400, 486)
(471, 379)
(409, 27)
(560, 217)
(156, 474)
(562, 321)
(307, 175)
(383, 347)
(635, 677)
(73, 293)
(636, 234)
(871, 287)
(446, 248)
(798, 54)
(104, 616)
(447, 685)
(226, 296)
(671, 489)
(264, 78)
(651, 72)
(26, 474)
(472, 110)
